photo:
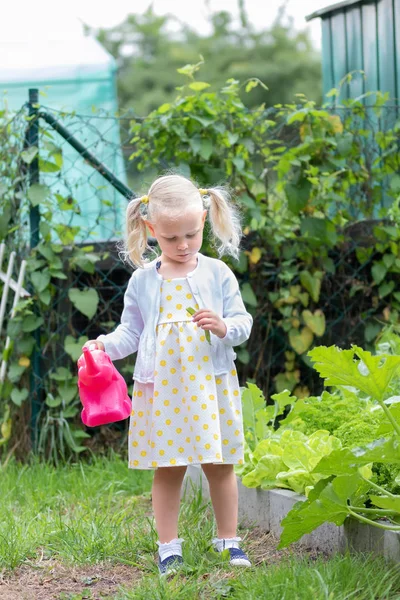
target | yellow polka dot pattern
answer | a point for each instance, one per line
(188, 415)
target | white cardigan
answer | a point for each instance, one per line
(213, 286)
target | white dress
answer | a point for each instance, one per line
(187, 416)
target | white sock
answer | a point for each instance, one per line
(174, 547)
(221, 544)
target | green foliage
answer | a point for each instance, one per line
(360, 430)
(149, 56)
(36, 328)
(287, 459)
(330, 411)
(339, 473)
(327, 502)
(292, 169)
(260, 420)
(369, 374)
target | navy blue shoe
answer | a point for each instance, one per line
(169, 564)
(238, 558)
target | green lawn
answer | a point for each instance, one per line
(85, 531)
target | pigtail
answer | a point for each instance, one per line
(135, 244)
(225, 221)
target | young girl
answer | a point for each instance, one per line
(186, 402)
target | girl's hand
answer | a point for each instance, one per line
(96, 343)
(210, 321)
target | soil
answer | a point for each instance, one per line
(51, 580)
(48, 579)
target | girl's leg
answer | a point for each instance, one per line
(224, 497)
(166, 493)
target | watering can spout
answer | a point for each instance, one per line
(91, 368)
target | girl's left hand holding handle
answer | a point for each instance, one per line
(94, 345)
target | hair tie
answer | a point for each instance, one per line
(203, 192)
(144, 200)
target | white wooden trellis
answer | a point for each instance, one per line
(19, 292)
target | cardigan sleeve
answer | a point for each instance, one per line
(235, 316)
(125, 339)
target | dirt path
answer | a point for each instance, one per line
(51, 580)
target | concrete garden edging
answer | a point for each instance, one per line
(267, 508)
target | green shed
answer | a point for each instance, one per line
(361, 35)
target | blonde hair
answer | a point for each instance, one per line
(174, 195)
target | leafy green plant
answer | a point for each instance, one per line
(292, 168)
(305, 256)
(287, 459)
(345, 488)
(35, 331)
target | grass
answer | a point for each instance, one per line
(81, 513)
(86, 531)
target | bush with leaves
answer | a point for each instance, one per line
(41, 357)
(315, 268)
(310, 271)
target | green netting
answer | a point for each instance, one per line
(101, 206)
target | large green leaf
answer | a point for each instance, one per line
(298, 195)
(391, 502)
(248, 295)
(40, 280)
(31, 322)
(253, 402)
(386, 426)
(46, 166)
(272, 446)
(253, 399)
(29, 154)
(5, 217)
(73, 347)
(300, 458)
(308, 454)
(198, 86)
(370, 374)
(62, 374)
(53, 402)
(19, 395)
(68, 392)
(265, 472)
(38, 193)
(312, 283)
(206, 148)
(322, 230)
(329, 503)
(315, 321)
(85, 301)
(15, 371)
(378, 272)
(282, 400)
(347, 461)
(301, 340)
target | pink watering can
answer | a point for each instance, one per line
(102, 390)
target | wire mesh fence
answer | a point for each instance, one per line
(66, 180)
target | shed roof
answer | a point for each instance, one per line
(332, 8)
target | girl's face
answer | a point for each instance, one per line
(179, 239)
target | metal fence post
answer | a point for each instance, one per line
(32, 138)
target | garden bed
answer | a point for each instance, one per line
(267, 508)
